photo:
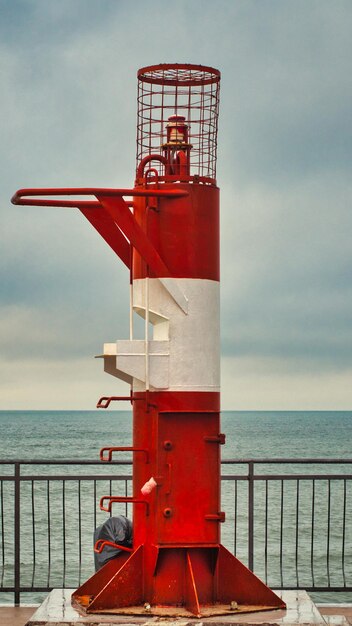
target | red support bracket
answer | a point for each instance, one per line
(215, 517)
(22, 196)
(220, 439)
(101, 543)
(123, 499)
(110, 216)
(110, 450)
(104, 402)
(118, 210)
(108, 230)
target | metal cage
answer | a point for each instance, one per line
(174, 94)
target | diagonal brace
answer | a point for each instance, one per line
(122, 216)
(101, 220)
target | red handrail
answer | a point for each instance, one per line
(124, 499)
(104, 402)
(101, 543)
(112, 449)
(22, 195)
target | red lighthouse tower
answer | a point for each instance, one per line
(166, 231)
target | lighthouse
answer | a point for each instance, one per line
(165, 229)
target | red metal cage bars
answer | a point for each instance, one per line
(180, 100)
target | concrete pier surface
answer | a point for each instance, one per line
(16, 615)
(57, 610)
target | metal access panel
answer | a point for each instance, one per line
(188, 455)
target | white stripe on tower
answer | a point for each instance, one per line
(184, 354)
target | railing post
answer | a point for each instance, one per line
(17, 559)
(250, 514)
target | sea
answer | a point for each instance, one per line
(249, 434)
(302, 527)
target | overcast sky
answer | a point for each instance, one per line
(68, 118)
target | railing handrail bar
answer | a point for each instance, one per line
(282, 461)
(68, 477)
(63, 462)
(114, 477)
(245, 461)
(257, 477)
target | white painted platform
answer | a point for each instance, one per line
(301, 611)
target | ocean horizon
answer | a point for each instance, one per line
(70, 434)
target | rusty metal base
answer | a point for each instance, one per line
(181, 582)
(180, 612)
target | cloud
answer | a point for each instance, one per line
(68, 114)
(274, 384)
(291, 295)
(69, 384)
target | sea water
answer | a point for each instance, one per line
(249, 434)
(78, 435)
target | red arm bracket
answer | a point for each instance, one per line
(101, 543)
(112, 499)
(120, 213)
(109, 231)
(22, 195)
(110, 216)
(112, 449)
(104, 402)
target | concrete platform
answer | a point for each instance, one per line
(16, 615)
(19, 616)
(57, 610)
(332, 612)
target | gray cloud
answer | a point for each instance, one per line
(292, 294)
(68, 111)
